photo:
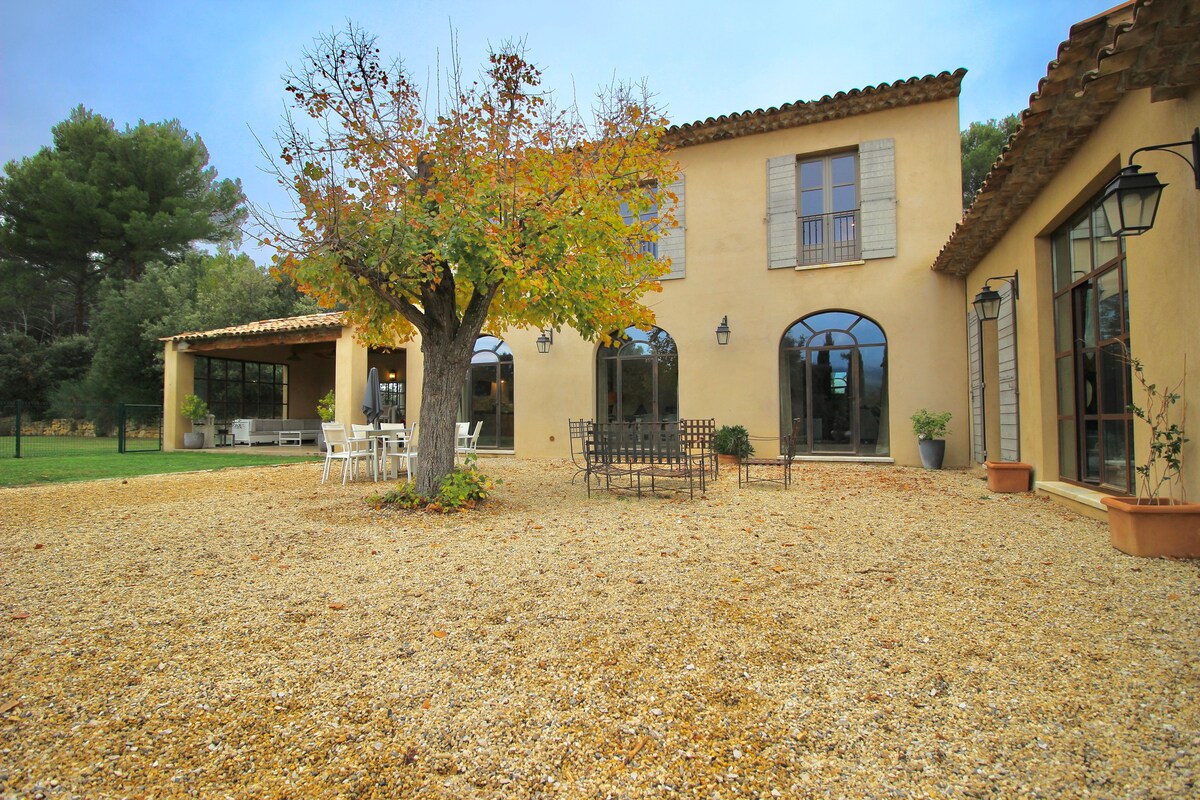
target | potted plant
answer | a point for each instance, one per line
(931, 430)
(1158, 521)
(732, 443)
(196, 410)
(325, 410)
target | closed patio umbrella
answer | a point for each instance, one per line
(372, 404)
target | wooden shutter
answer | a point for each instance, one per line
(671, 240)
(781, 212)
(975, 364)
(1006, 338)
(877, 197)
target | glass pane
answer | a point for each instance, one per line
(1116, 449)
(832, 401)
(1063, 323)
(1087, 377)
(872, 411)
(1111, 305)
(507, 408)
(796, 335)
(1066, 386)
(636, 335)
(795, 399)
(812, 202)
(1104, 243)
(606, 388)
(485, 357)
(668, 389)
(1081, 249)
(1114, 380)
(838, 320)
(200, 387)
(1068, 455)
(867, 332)
(811, 175)
(1060, 248)
(1085, 314)
(828, 338)
(634, 349)
(1091, 450)
(637, 395)
(844, 198)
(843, 169)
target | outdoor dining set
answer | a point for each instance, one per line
(380, 451)
(672, 456)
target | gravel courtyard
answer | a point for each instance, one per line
(872, 632)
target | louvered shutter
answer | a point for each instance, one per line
(781, 212)
(975, 362)
(877, 197)
(671, 240)
(1006, 338)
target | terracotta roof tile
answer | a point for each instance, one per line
(310, 322)
(843, 104)
(1137, 45)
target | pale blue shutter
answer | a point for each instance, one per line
(1006, 339)
(782, 244)
(671, 240)
(877, 197)
(975, 365)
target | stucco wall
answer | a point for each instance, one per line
(727, 274)
(1163, 269)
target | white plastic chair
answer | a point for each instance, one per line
(466, 440)
(399, 445)
(351, 451)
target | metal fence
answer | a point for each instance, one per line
(29, 430)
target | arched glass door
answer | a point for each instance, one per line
(637, 377)
(833, 374)
(488, 395)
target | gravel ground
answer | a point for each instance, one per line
(872, 632)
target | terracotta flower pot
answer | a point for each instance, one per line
(728, 461)
(1006, 477)
(1153, 529)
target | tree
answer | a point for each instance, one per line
(498, 211)
(981, 146)
(102, 202)
(202, 292)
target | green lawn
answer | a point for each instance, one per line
(64, 468)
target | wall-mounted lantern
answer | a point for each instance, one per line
(987, 302)
(723, 331)
(1130, 200)
(545, 340)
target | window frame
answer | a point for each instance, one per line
(1082, 331)
(827, 251)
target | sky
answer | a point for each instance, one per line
(217, 65)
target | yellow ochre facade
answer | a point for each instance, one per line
(895, 148)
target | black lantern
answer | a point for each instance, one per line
(1130, 200)
(987, 302)
(545, 340)
(723, 331)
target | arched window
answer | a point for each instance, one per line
(833, 375)
(637, 377)
(488, 395)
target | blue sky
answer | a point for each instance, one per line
(217, 66)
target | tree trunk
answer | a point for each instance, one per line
(445, 371)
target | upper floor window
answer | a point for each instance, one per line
(832, 209)
(827, 224)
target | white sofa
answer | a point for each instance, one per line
(258, 431)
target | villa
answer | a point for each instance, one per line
(823, 270)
